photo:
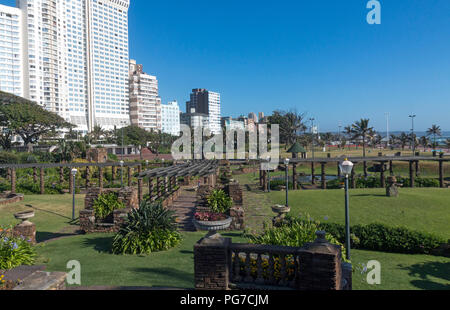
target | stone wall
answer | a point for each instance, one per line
(320, 265)
(8, 198)
(97, 155)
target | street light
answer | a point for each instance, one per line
(286, 162)
(121, 173)
(346, 169)
(413, 139)
(74, 173)
(146, 163)
(268, 173)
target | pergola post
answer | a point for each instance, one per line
(441, 174)
(324, 177)
(150, 189)
(411, 173)
(88, 177)
(129, 175)
(353, 178)
(159, 187)
(100, 177)
(260, 176)
(61, 175)
(35, 176)
(113, 173)
(165, 185)
(313, 173)
(391, 167)
(417, 168)
(265, 185)
(41, 181)
(338, 171)
(294, 177)
(140, 191)
(13, 181)
(382, 177)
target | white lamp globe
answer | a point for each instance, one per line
(346, 167)
(74, 171)
(286, 161)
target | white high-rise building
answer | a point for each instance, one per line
(11, 51)
(76, 59)
(171, 118)
(145, 104)
(108, 61)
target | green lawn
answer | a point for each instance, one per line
(422, 209)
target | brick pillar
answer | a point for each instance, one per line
(100, 177)
(320, 265)
(441, 174)
(324, 177)
(35, 176)
(382, 177)
(260, 176)
(166, 185)
(411, 173)
(27, 230)
(313, 173)
(265, 183)
(13, 181)
(129, 175)
(211, 263)
(294, 177)
(61, 175)
(41, 181)
(140, 191)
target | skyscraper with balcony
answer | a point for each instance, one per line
(145, 104)
(206, 102)
(11, 51)
(76, 59)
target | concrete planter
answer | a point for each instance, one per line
(213, 225)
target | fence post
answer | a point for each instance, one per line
(441, 173)
(212, 259)
(13, 181)
(313, 173)
(324, 177)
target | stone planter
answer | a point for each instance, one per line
(24, 216)
(213, 225)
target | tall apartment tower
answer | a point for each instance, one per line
(145, 104)
(171, 118)
(76, 59)
(11, 51)
(206, 102)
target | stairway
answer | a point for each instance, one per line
(184, 208)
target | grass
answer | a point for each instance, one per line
(422, 209)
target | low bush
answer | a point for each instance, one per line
(294, 232)
(219, 201)
(277, 184)
(15, 251)
(380, 237)
(105, 204)
(151, 228)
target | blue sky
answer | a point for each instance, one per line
(319, 57)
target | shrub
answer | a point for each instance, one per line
(419, 182)
(277, 184)
(380, 237)
(219, 201)
(15, 251)
(294, 232)
(105, 204)
(151, 228)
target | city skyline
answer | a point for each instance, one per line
(321, 59)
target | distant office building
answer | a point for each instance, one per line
(194, 119)
(261, 117)
(171, 118)
(11, 51)
(145, 104)
(252, 116)
(206, 102)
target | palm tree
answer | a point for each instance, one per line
(435, 131)
(403, 139)
(393, 139)
(361, 130)
(96, 133)
(425, 142)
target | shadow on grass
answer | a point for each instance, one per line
(369, 195)
(43, 236)
(438, 270)
(100, 244)
(175, 274)
(49, 212)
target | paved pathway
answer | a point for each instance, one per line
(184, 207)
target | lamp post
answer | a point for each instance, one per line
(146, 163)
(121, 173)
(312, 135)
(74, 173)
(268, 173)
(413, 139)
(286, 162)
(346, 169)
